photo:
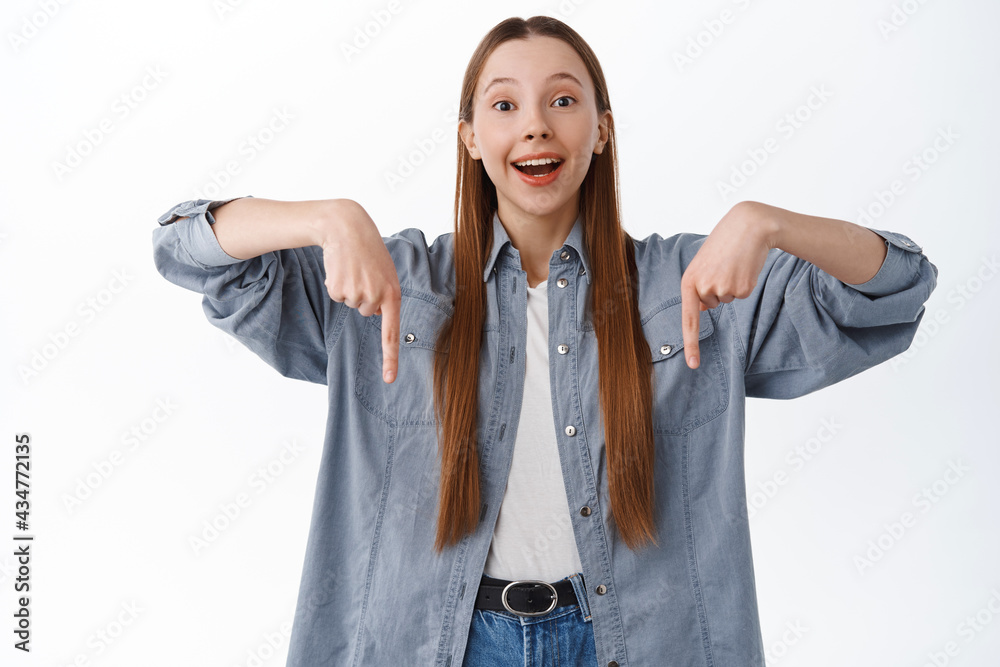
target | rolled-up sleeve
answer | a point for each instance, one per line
(801, 329)
(197, 238)
(275, 304)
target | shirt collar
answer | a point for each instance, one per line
(501, 239)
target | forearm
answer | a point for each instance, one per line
(851, 253)
(251, 227)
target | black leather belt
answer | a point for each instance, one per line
(525, 597)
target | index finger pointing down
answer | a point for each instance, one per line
(390, 339)
(690, 316)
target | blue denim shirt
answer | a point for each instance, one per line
(374, 592)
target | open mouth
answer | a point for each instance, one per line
(547, 166)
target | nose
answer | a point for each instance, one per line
(536, 124)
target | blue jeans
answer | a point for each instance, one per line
(563, 637)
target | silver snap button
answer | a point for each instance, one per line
(665, 349)
(562, 282)
(585, 511)
(570, 430)
(409, 338)
(602, 589)
(563, 349)
(564, 255)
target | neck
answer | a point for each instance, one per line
(536, 237)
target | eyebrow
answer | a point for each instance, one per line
(556, 76)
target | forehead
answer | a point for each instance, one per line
(531, 61)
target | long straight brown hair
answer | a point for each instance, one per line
(624, 359)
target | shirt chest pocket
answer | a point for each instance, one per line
(409, 399)
(684, 398)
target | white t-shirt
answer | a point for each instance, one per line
(533, 536)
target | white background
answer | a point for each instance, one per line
(683, 128)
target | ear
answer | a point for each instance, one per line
(469, 139)
(604, 122)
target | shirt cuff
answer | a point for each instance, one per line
(195, 233)
(897, 269)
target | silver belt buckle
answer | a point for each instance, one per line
(555, 597)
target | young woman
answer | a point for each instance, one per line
(534, 452)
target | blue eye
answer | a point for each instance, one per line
(501, 102)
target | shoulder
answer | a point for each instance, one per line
(656, 256)
(656, 252)
(660, 263)
(422, 266)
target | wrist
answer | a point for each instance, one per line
(766, 220)
(327, 226)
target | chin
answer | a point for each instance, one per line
(542, 202)
(540, 205)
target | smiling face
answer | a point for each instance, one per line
(535, 100)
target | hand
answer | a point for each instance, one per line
(360, 273)
(724, 268)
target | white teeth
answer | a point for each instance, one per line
(546, 160)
